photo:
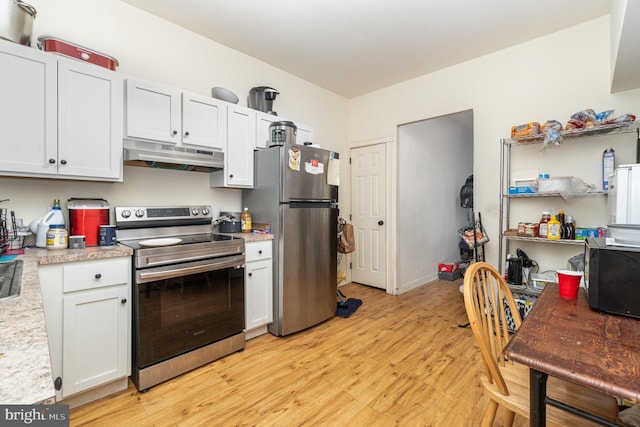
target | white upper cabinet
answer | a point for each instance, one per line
(203, 121)
(89, 120)
(61, 118)
(263, 121)
(304, 133)
(164, 114)
(238, 158)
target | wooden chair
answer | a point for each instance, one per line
(507, 383)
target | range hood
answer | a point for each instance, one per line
(165, 156)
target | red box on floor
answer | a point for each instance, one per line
(448, 267)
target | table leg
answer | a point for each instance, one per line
(537, 395)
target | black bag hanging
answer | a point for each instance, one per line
(466, 193)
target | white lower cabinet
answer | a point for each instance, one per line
(258, 287)
(88, 315)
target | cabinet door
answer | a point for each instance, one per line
(263, 121)
(89, 121)
(238, 157)
(258, 294)
(204, 121)
(153, 112)
(27, 110)
(95, 338)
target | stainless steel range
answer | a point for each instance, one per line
(188, 299)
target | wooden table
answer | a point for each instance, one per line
(569, 340)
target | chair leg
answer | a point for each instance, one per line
(509, 418)
(490, 413)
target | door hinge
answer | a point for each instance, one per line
(349, 160)
(350, 218)
(350, 266)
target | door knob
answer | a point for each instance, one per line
(381, 222)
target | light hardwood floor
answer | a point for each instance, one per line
(399, 360)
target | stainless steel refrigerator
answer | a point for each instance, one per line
(292, 194)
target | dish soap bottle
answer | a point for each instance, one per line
(245, 221)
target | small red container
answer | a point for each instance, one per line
(56, 45)
(85, 218)
(448, 267)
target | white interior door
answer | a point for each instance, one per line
(369, 207)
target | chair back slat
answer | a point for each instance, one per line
(486, 295)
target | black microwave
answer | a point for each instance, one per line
(612, 277)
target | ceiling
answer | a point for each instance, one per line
(352, 47)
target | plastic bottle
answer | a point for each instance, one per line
(553, 232)
(608, 167)
(245, 221)
(56, 218)
(542, 227)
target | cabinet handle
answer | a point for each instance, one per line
(123, 300)
(57, 383)
(230, 175)
(250, 274)
(186, 134)
(52, 161)
(175, 132)
(64, 162)
(260, 252)
(98, 276)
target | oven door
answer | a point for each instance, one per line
(181, 307)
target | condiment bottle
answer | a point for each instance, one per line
(245, 221)
(563, 229)
(553, 231)
(571, 227)
(542, 227)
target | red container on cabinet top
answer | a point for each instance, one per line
(55, 45)
(85, 218)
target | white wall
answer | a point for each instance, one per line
(153, 49)
(435, 157)
(548, 78)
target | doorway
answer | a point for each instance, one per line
(434, 159)
(425, 167)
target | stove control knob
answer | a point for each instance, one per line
(205, 211)
(195, 211)
(126, 213)
(139, 213)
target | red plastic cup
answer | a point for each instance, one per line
(568, 283)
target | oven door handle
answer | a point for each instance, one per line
(186, 269)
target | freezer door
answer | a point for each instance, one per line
(305, 173)
(306, 293)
